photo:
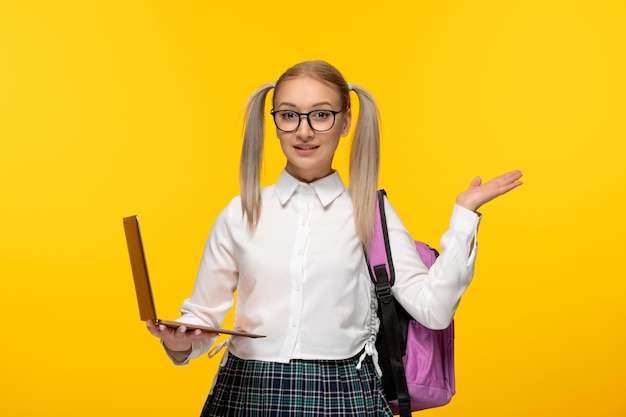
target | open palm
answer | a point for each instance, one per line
(478, 193)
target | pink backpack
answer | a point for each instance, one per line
(417, 362)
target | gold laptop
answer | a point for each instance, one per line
(147, 309)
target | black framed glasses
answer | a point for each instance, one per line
(318, 120)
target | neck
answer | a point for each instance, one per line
(308, 177)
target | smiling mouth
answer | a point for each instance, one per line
(306, 147)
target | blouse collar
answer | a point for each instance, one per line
(327, 189)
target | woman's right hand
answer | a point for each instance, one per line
(179, 339)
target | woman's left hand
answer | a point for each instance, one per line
(478, 193)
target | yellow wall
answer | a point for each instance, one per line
(114, 108)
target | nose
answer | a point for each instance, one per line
(304, 131)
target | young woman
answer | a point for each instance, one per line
(293, 252)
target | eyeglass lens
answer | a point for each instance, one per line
(289, 120)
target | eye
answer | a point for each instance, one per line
(288, 115)
(321, 115)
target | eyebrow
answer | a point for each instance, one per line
(321, 103)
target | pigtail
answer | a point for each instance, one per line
(252, 156)
(364, 165)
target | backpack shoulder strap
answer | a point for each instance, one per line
(379, 251)
(382, 274)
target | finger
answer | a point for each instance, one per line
(511, 186)
(502, 183)
(161, 331)
(511, 176)
(505, 187)
(476, 182)
(154, 331)
(180, 332)
(200, 334)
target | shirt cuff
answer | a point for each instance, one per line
(177, 357)
(464, 221)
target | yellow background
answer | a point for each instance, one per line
(114, 108)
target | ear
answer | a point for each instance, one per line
(346, 120)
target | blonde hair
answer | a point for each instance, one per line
(364, 152)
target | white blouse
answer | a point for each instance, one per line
(301, 278)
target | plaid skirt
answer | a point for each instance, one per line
(303, 388)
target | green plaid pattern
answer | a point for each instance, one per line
(303, 388)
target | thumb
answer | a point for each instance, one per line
(476, 182)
